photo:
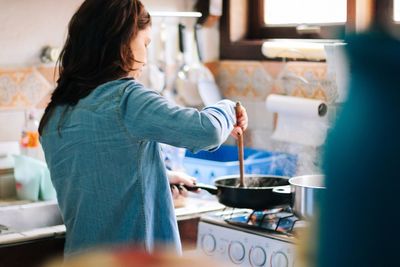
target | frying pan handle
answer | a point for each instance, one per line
(209, 188)
(282, 189)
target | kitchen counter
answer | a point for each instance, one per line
(36, 232)
(12, 202)
(193, 209)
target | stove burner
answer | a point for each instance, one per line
(277, 220)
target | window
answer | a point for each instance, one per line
(396, 11)
(295, 12)
(246, 24)
(326, 19)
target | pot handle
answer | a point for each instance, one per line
(282, 189)
(213, 190)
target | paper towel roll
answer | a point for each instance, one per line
(300, 120)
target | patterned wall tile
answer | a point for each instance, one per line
(308, 70)
(274, 68)
(7, 90)
(21, 88)
(307, 79)
(50, 73)
(243, 80)
(252, 81)
(255, 80)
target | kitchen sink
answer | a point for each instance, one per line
(30, 234)
(26, 217)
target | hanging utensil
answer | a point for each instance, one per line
(162, 55)
(186, 80)
(206, 85)
(153, 75)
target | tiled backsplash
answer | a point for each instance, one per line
(252, 81)
(248, 81)
(21, 89)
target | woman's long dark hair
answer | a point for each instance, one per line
(97, 49)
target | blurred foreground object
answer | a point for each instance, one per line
(362, 174)
(133, 258)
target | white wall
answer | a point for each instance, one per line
(26, 26)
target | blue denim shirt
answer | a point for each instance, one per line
(105, 163)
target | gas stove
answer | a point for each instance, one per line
(243, 237)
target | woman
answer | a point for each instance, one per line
(102, 129)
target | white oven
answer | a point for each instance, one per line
(244, 246)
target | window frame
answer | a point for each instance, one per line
(249, 47)
(385, 15)
(258, 28)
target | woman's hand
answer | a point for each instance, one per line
(241, 123)
(178, 178)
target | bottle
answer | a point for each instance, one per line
(29, 142)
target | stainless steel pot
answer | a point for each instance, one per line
(306, 192)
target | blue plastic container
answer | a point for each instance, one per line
(206, 166)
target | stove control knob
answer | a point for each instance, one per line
(279, 259)
(257, 256)
(236, 252)
(208, 244)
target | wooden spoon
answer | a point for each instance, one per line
(240, 147)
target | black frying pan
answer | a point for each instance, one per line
(257, 193)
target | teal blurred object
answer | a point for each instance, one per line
(360, 211)
(33, 179)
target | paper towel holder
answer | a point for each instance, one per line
(322, 109)
(298, 120)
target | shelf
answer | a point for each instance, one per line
(175, 14)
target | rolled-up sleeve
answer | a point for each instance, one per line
(149, 116)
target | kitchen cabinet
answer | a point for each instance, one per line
(188, 233)
(34, 253)
(31, 253)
